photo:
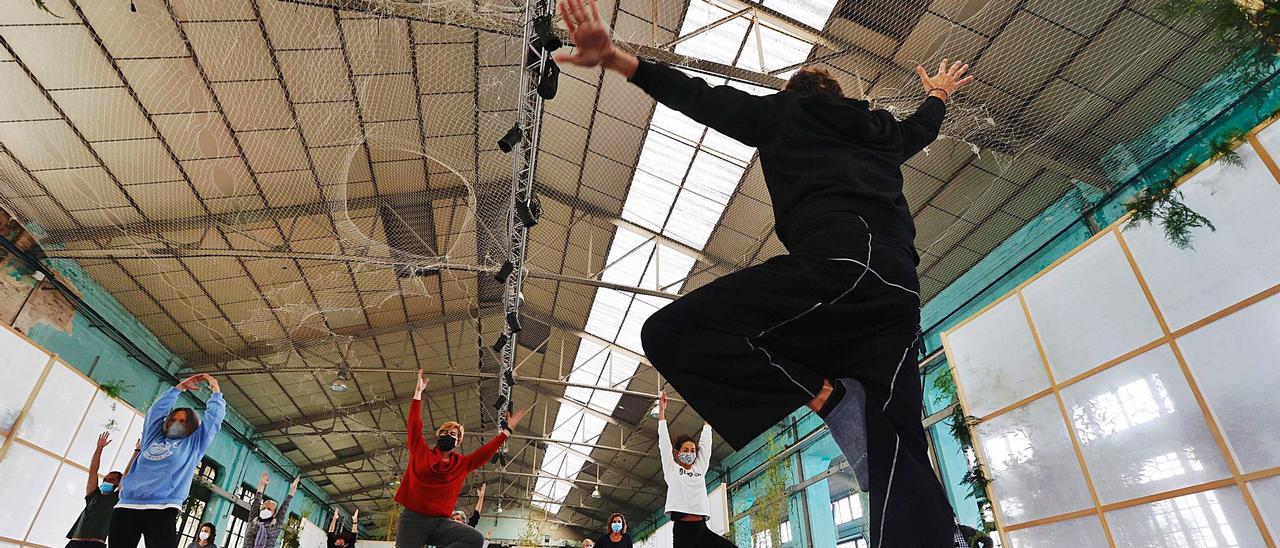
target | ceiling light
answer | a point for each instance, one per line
(339, 384)
(596, 494)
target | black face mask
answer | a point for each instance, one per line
(446, 443)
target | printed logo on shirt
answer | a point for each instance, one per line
(160, 450)
(689, 473)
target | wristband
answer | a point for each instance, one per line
(945, 94)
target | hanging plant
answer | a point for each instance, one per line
(1162, 201)
(393, 521)
(1239, 27)
(42, 6)
(115, 389)
(960, 427)
(293, 530)
(770, 508)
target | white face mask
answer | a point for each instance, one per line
(204, 535)
(688, 458)
(266, 514)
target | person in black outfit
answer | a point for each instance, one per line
(461, 517)
(833, 324)
(616, 535)
(343, 539)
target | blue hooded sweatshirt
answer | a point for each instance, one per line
(162, 474)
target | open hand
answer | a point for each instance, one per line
(103, 439)
(262, 483)
(947, 80)
(293, 488)
(192, 382)
(590, 35)
(422, 384)
(514, 419)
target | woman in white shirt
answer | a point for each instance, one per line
(685, 470)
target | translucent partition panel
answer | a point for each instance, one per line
(133, 432)
(61, 507)
(996, 358)
(1085, 531)
(17, 505)
(1216, 518)
(1141, 430)
(105, 414)
(56, 412)
(1266, 493)
(1034, 471)
(1090, 309)
(1189, 284)
(23, 364)
(1234, 363)
(1270, 139)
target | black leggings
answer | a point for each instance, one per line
(695, 534)
(158, 527)
(750, 348)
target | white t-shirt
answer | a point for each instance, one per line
(686, 489)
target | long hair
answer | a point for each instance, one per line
(213, 531)
(810, 81)
(609, 523)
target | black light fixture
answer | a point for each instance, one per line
(500, 343)
(500, 405)
(545, 36)
(529, 212)
(513, 322)
(511, 139)
(549, 83)
(510, 377)
(504, 272)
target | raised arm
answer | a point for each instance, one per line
(414, 423)
(214, 411)
(921, 128)
(480, 497)
(137, 450)
(333, 522)
(731, 111)
(154, 421)
(283, 509)
(664, 448)
(251, 529)
(704, 449)
(482, 455)
(103, 439)
(355, 522)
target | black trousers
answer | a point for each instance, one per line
(416, 530)
(695, 534)
(158, 527)
(748, 349)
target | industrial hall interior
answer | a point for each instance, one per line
(639, 273)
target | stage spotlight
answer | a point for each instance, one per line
(529, 212)
(511, 378)
(513, 322)
(500, 405)
(500, 343)
(549, 83)
(511, 139)
(504, 272)
(545, 34)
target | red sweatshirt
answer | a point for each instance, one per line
(430, 486)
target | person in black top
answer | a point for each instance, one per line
(834, 323)
(91, 527)
(616, 536)
(460, 516)
(343, 539)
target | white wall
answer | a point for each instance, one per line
(1140, 378)
(50, 419)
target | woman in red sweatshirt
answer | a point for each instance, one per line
(433, 479)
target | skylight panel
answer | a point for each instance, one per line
(780, 50)
(669, 267)
(627, 258)
(727, 147)
(607, 312)
(810, 12)
(693, 218)
(649, 201)
(713, 177)
(676, 124)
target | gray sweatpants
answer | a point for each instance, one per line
(417, 530)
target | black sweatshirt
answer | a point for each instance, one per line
(826, 160)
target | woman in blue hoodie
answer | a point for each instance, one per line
(173, 441)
